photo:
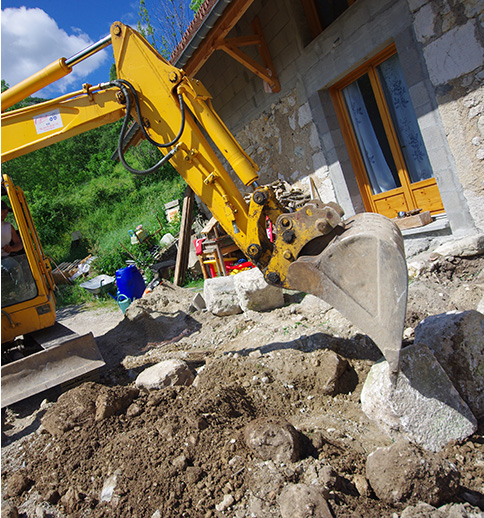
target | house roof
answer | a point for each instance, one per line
(204, 20)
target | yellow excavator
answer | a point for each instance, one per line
(49, 353)
(357, 265)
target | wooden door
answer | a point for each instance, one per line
(383, 138)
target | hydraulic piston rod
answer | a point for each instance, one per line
(56, 70)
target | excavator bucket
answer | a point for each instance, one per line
(363, 274)
(63, 359)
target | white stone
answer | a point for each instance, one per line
(424, 23)
(254, 293)
(457, 340)
(465, 247)
(304, 115)
(109, 486)
(415, 268)
(475, 111)
(165, 374)
(480, 125)
(421, 405)
(480, 306)
(227, 501)
(220, 296)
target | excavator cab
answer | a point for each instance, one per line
(28, 302)
(38, 353)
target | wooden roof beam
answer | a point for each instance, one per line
(266, 71)
(232, 14)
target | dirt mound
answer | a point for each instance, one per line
(104, 450)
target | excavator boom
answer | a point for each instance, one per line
(357, 265)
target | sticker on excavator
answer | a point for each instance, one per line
(48, 121)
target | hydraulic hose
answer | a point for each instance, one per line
(124, 85)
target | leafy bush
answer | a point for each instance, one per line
(76, 186)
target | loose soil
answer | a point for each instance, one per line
(179, 451)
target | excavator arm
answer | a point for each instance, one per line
(358, 265)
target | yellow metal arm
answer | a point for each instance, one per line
(44, 124)
(358, 266)
(176, 113)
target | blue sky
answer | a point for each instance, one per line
(37, 32)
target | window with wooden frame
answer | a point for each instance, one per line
(383, 138)
(322, 13)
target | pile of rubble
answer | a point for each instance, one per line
(254, 402)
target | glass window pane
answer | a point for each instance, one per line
(370, 134)
(404, 120)
(18, 284)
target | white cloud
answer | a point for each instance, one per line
(32, 40)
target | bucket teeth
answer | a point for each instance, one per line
(363, 274)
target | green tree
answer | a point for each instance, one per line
(195, 5)
(164, 22)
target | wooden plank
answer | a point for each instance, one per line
(266, 55)
(417, 220)
(184, 239)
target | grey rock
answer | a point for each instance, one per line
(109, 486)
(227, 501)
(199, 302)
(422, 510)
(220, 296)
(255, 294)
(273, 439)
(457, 341)
(18, 483)
(403, 472)
(9, 510)
(420, 405)
(465, 247)
(114, 401)
(302, 501)
(165, 374)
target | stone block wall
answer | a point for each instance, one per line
(294, 134)
(451, 34)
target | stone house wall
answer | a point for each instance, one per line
(451, 35)
(294, 134)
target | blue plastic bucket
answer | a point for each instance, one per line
(130, 282)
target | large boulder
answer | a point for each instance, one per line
(302, 501)
(220, 296)
(457, 341)
(83, 405)
(246, 291)
(466, 247)
(273, 439)
(420, 405)
(255, 294)
(403, 472)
